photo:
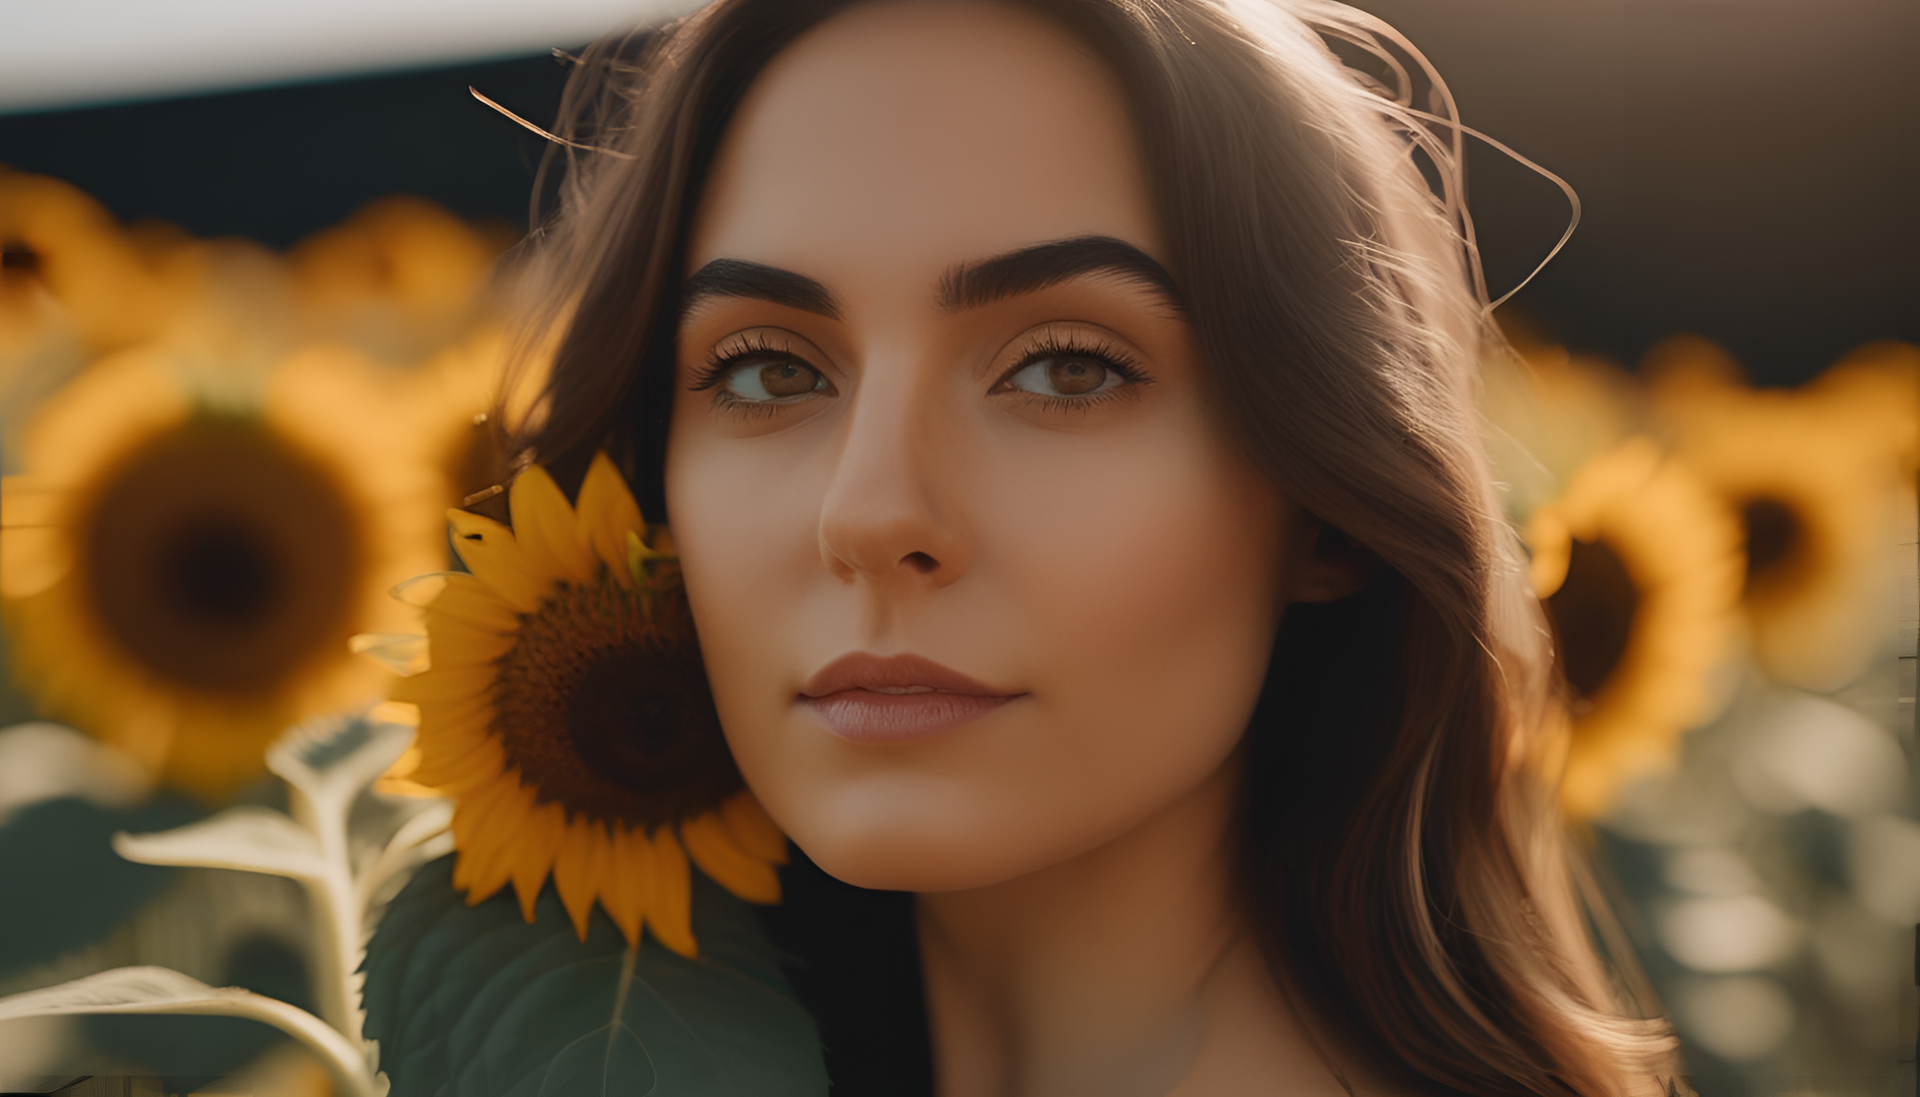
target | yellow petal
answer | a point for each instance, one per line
(456, 643)
(31, 560)
(489, 872)
(629, 881)
(477, 830)
(712, 848)
(453, 720)
(461, 773)
(441, 685)
(579, 869)
(467, 600)
(545, 528)
(30, 502)
(474, 808)
(753, 829)
(670, 916)
(490, 553)
(607, 513)
(453, 729)
(534, 848)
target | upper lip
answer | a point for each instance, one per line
(862, 670)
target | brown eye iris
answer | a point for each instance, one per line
(1066, 374)
(787, 379)
(760, 379)
(1075, 376)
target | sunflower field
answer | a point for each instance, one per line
(259, 691)
(1730, 577)
(225, 550)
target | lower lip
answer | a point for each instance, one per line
(863, 716)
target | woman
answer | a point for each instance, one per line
(1062, 409)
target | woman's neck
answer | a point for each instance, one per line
(1128, 971)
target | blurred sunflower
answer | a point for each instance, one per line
(72, 284)
(567, 711)
(471, 398)
(58, 243)
(1547, 411)
(1638, 566)
(190, 549)
(1817, 476)
(400, 280)
(40, 350)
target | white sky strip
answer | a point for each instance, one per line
(65, 53)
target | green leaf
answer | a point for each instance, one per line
(245, 838)
(64, 887)
(158, 990)
(598, 1062)
(475, 1002)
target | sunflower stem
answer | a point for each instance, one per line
(338, 912)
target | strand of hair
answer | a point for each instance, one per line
(549, 135)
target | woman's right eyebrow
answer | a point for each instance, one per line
(742, 278)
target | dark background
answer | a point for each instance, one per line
(1748, 167)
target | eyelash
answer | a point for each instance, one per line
(756, 345)
(1051, 344)
(731, 354)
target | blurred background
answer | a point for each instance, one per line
(245, 251)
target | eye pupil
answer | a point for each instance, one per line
(1075, 376)
(786, 379)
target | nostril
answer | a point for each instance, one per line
(920, 562)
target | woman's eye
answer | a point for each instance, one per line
(1065, 375)
(766, 379)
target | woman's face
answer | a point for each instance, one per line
(979, 584)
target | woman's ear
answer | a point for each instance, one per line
(1326, 565)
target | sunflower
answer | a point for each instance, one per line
(566, 710)
(191, 547)
(72, 284)
(56, 241)
(40, 349)
(1547, 411)
(399, 280)
(1638, 566)
(1817, 476)
(471, 398)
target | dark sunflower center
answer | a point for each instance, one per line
(220, 558)
(605, 708)
(633, 719)
(18, 257)
(1773, 538)
(1592, 616)
(221, 571)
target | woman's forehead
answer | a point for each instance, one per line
(902, 138)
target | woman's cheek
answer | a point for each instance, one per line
(746, 529)
(1151, 612)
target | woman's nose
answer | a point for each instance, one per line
(886, 516)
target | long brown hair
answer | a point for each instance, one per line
(1400, 850)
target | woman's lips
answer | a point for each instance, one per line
(866, 698)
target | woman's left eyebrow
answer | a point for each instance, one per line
(1034, 268)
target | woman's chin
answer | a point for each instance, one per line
(920, 854)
